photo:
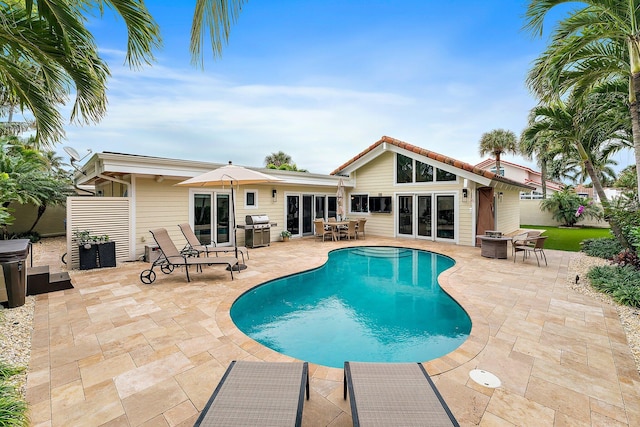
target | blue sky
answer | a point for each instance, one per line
(320, 80)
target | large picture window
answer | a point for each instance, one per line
(409, 171)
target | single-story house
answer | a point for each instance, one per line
(402, 190)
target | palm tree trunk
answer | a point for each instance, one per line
(597, 185)
(635, 122)
(497, 163)
(543, 176)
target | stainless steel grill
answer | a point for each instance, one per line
(257, 231)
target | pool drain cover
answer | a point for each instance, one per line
(485, 378)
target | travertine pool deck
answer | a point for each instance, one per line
(116, 352)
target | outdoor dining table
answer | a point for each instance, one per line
(334, 226)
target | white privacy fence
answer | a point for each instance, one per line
(109, 216)
(531, 214)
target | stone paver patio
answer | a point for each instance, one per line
(116, 352)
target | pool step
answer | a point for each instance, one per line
(382, 252)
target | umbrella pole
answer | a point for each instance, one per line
(238, 266)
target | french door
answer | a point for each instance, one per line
(210, 217)
(415, 217)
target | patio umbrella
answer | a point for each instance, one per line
(340, 200)
(229, 175)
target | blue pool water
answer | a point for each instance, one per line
(367, 304)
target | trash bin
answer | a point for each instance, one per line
(13, 254)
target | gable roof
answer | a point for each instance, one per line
(554, 185)
(379, 146)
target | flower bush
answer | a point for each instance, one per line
(568, 208)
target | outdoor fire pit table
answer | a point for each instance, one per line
(494, 247)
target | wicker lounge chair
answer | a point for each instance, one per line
(258, 394)
(171, 257)
(387, 394)
(194, 246)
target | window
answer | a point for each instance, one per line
(493, 169)
(405, 167)
(424, 172)
(359, 203)
(251, 199)
(380, 204)
(444, 175)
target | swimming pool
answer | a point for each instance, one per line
(367, 304)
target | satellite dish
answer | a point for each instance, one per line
(75, 157)
(72, 153)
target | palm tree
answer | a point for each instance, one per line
(216, 16)
(540, 146)
(277, 159)
(581, 130)
(48, 54)
(497, 142)
(594, 44)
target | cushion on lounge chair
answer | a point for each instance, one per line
(388, 394)
(258, 394)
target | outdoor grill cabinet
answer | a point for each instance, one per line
(97, 255)
(257, 231)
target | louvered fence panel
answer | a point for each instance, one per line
(100, 216)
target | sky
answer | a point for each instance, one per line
(320, 80)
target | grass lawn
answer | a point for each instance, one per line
(568, 239)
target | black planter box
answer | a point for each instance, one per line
(98, 255)
(107, 254)
(88, 257)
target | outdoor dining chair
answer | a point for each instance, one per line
(320, 231)
(360, 227)
(350, 231)
(537, 247)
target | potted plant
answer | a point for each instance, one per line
(285, 234)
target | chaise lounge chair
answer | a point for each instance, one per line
(387, 394)
(194, 245)
(258, 394)
(171, 257)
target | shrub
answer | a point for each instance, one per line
(627, 258)
(13, 408)
(619, 282)
(34, 236)
(568, 208)
(606, 247)
(625, 211)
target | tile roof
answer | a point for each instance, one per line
(432, 155)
